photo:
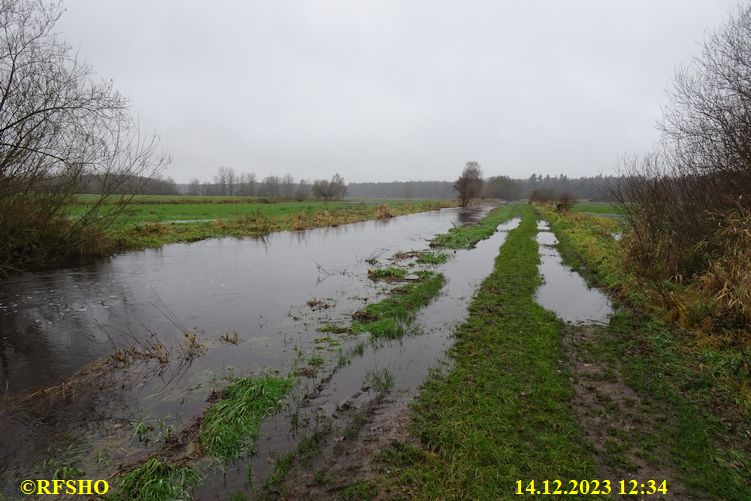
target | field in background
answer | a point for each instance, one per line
(176, 208)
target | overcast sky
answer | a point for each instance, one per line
(393, 89)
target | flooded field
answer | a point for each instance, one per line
(251, 306)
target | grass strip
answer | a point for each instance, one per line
(699, 417)
(502, 413)
(230, 426)
(156, 480)
(466, 237)
(387, 318)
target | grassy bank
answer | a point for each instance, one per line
(151, 225)
(227, 220)
(698, 396)
(465, 237)
(144, 209)
(502, 413)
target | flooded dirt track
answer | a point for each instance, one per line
(349, 395)
(564, 291)
(252, 306)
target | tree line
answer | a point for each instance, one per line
(227, 182)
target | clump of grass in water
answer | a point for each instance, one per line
(316, 360)
(358, 350)
(390, 273)
(434, 258)
(230, 426)
(380, 380)
(387, 318)
(332, 328)
(466, 237)
(156, 480)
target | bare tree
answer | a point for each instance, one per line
(194, 187)
(58, 125)
(287, 186)
(330, 190)
(469, 184)
(247, 184)
(302, 191)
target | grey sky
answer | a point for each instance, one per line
(393, 90)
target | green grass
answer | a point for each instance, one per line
(687, 393)
(466, 237)
(390, 273)
(433, 258)
(391, 315)
(138, 213)
(502, 412)
(156, 480)
(380, 380)
(230, 427)
(316, 360)
(166, 209)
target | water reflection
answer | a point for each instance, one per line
(564, 291)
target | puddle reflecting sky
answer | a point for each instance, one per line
(564, 291)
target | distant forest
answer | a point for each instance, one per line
(589, 188)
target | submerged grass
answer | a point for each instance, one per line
(230, 427)
(700, 413)
(387, 318)
(390, 273)
(156, 480)
(466, 237)
(502, 413)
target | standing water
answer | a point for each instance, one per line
(564, 291)
(272, 292)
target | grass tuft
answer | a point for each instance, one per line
(156, 480)
(390, 273)
(230, 426)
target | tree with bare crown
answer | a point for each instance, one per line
(469, 184)
(59, 125)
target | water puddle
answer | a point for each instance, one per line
(254, 306)
(564, 291)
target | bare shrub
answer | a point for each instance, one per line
(58, 126)
(566, 202)
(676, 198)
(384, 212)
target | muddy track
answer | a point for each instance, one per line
(615, 419)
(349, 451)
